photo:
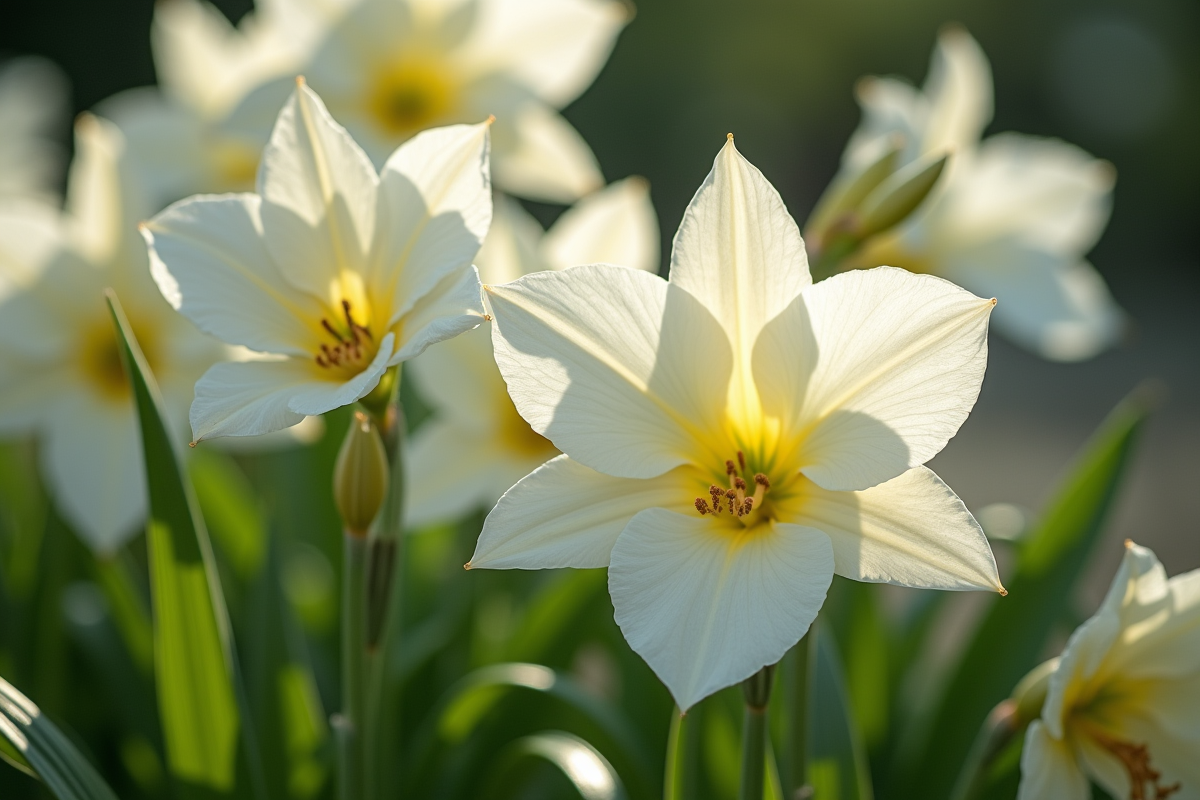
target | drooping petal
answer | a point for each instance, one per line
(871, 388)
(707, 607)
(616, 225)
(1048, 769)
(619, 370)
(1058, 308)
(564, 514)
(912, 531)
(452, 306)
(318, 193)
(211, 264)
(434, 211)
(543, 158)
(959, 89)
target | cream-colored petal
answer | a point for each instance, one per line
(616, 225)
(739, 251)
(912, 531)
(452, 306)
(209, 259)
(1160, 620)
(564, 514)
(707, 608)
(434, 210)
(890, 108)
(512, 246)
(619, 370)
(540, 156)
(959, 89)
(102, 202)
(555, 47)
(33, 105)
(458, 378)
(873, 371)
(1048, 769)
(1080, 660)
(318, 193)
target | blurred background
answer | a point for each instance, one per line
(1120, 79)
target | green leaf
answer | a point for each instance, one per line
(837, 764)
(34, 743)
(1014, 632)
(192, 648)
(587, 771)
(231, 511)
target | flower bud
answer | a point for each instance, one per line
(360, 477)
(899, 196)
(838, 206)
(1030, 694)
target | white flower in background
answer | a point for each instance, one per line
(1123, 704)
(737, 435)
(61, 375)
(33, 104)
(335, 271)
(390, 68)
(477, 446)
(1012, 216)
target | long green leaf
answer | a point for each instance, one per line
(46, 751)
(1015, 630)
(192, 649)
(837, 764)
(583, 766)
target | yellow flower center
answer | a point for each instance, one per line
(741, 500)
(235, 165)
(412, 94)
(100, 359)
(353, 346)
(519, 438)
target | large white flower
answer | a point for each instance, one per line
(1013, 215)
(334, 270)
(477, 446)
(1123, 704)
(60, 367)
(735, 436)
(33, 102)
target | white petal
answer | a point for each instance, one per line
(1048, 769)
(1081, 658)
(102, 200)
(707, 608)
(959, 89)
(616, 225)
(738, 250)
(209, 259)
(458, 378)
(1160, 619)
(451, 307)
(435, 207)
(565, 515)
(319, 192)
(912, 531)
(875, 370)
(615, 367)
(889, 107)
(511, 248)
(540, 156)
(1060, 309)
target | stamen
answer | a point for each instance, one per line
(347, 349)
(730, 469)
(1136, 760)
(717, 493)
(742, 460)
(332, 332)
(739, 484)
(702, 506)
(731, 495)
(761, 480)
(748, 505)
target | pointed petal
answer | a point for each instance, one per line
(540, 156)
(435, 207)
(511, 248)
(738, 250)
(707, 608)
(209, 259)
(912, 531)
(889, 107)
(318, 193)
(452, 306)
(103, 203)
(1160, 619)
(959, 88)
(1048, 769)
(615, 367)
(1081, 658)
(616, 225)
(875, 370)
(564, 514)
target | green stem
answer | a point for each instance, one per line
(994, 736)
(797, 729)
(757, 691)
(354, 616)
(673, 780)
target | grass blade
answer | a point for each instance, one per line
(837, 764)
(592, 777)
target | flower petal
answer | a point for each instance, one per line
(318, 193)
(912, 531)
(451, 307)
(1160, 619)
(959, 90)
(434, 210)
(210, 262)
(33, 94)
(1048, 769)
(874, 370)
(615, 367)
(707, 608)
(616, 225)
(459, 379)
(564, 514)
(540, 156)
(511, 248)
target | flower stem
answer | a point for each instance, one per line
(994, 736)
(757, 691)
(797, 675)
(354, 616)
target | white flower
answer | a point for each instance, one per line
(736, 436)
(1013, 215)
(477, 445)
(33, 103)
(61, 375)
(336, 271)
(390, 68)
(1123, 704)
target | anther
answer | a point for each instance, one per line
(716, 492)
(730, 469)
(738, 483)
(748, 505)
(702, 506)
(332, 332)
(742, 460)
(761, 480)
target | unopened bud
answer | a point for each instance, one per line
(899, 196)
(1030, 694)
(360, 477)
(839, 204)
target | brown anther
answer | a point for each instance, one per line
(332, 332)
(738, 483)
(717, 493)
(702, 506)
(761, 480)
(1136, 760)
(742, 460)
(748, 505)
(730, 469)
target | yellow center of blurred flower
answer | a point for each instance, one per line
(521, 439)
(235, 165)
(100, 359)
(412, 94)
